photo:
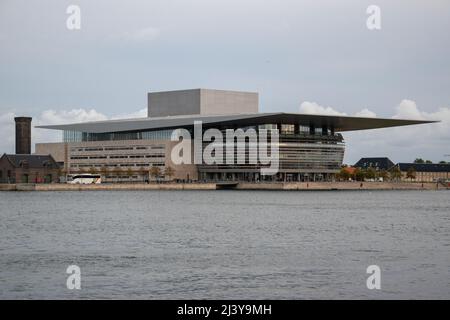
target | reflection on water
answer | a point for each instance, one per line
(225, 244)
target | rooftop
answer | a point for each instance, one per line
(31, 160)
(425, 167)
(340, 123)
(378, 162)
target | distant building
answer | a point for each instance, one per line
(28, 168)
(425, 172)
(380, 163)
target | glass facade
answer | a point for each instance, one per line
(76, 136)
(306, 152)
(72, 136)
(287, 129)
(303, 129)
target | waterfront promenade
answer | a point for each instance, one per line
(300, 186)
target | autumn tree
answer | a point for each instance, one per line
(129, 173)
(169, 172)
(411, 173)
(343, 174)
(104, 171)
(117, 171)
(143, 172)
(155, 172)
(359, 174)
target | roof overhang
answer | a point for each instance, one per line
(340, 123)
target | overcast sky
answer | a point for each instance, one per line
(308, 56)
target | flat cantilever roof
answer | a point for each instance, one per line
(340, 123)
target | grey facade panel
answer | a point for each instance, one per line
(214, 102)
(201, 101)
(172, 103)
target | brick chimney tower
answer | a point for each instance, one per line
(23, 135)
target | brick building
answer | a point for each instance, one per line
(28, 168)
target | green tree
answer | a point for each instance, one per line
(395, 173)
(419, 160)
(442, 162)
(428, 161)
(383, 174)
(411, 173)
(169, 172)
(370, 173)
(359, 174)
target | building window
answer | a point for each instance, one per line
(72, 136)
(303, 129)
(287, 129)
(76, 136)
(267, 126)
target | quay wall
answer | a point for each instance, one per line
(300, 186)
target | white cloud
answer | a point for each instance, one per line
(407, 109)
(314, 108)
(365, 113)
(138, 114)
(69, 116)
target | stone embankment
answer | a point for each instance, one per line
(301, 186)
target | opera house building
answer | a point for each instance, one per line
(310, 147)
